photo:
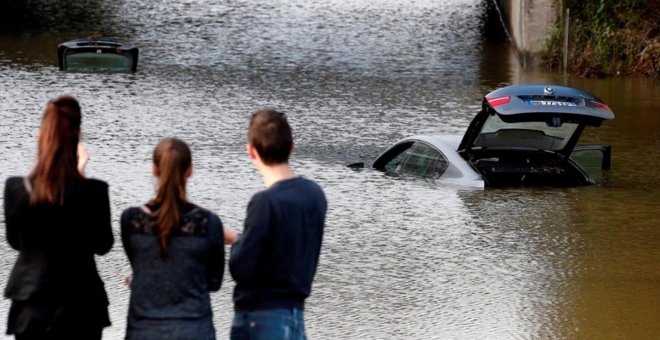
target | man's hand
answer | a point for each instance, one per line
(230, 236)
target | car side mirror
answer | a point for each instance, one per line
(356, 165)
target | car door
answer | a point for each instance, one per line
(593, 159)
(417, 159)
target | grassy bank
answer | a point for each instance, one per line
(609, 37)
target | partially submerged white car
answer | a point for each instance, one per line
(525, 135)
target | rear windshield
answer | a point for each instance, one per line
(533, 135)
(98, 62)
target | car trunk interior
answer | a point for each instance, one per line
(513, 168)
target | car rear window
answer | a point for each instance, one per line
(533, 135)
(98, 62)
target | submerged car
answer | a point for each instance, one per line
(524, 135)
(97, 55)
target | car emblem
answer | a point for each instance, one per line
(548, 91)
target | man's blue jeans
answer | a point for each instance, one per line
(269, 324)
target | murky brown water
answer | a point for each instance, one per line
(402, 259)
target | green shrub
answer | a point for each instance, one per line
(608, 37)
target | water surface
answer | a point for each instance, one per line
(402, 258)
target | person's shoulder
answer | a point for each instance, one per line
(262, 195)
(203, 213)
(314, 192)
(265, 197)
(132, 211)
(14, 181)
(199, 221)
(93, 188)
(310, 184)
(14, 185)
(133, 216)
(95, 183)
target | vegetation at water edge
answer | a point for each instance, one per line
(608, 37)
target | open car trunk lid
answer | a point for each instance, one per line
(537, 117)
(524, 135)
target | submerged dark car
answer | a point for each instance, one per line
(524, 135)
(97, 55)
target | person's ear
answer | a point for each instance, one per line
(154, 171)
(189, 172)
(293, 148)
(252, 152)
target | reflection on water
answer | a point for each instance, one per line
(402, 258)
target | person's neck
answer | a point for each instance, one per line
(274, 173)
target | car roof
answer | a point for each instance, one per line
(534, 102)
(96, 43)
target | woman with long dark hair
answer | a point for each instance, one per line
(57, 219)
(176, 251)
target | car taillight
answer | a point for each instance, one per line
(601, 105)
(498, 101)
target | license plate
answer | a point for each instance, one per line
(550, 103)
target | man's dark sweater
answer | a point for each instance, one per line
(274, 261)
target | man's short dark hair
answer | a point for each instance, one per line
(270, 134)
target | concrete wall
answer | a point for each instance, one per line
(530, 23)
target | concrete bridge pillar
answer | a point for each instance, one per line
(530, 24)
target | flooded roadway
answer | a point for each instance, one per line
(402, 259)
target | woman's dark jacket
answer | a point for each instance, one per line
(171, 289)
(57, 243)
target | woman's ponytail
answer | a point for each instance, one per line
(172, 160)
(57, 151)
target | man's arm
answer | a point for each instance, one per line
(246, 250)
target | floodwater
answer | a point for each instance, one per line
(402, 258)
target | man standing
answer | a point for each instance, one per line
(274, 260)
